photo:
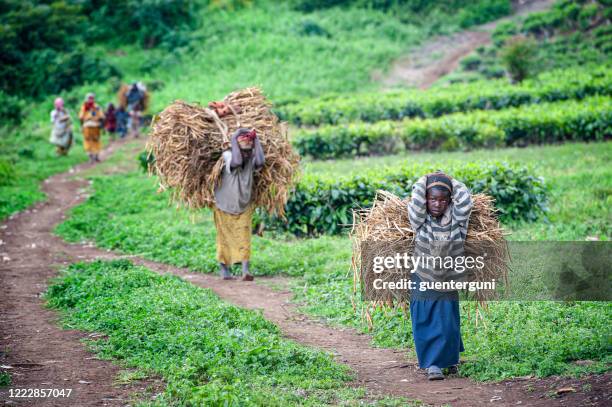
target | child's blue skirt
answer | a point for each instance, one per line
(436, 327)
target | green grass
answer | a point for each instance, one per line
(520, 338)
(267, 45)
(33, 159)
(206, 351)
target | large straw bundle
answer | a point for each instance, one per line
(187, 142)
(387, 221)
(122, 97)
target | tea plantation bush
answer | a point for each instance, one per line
(574, 83)
(586, 120)
(324, 204)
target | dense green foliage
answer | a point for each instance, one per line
(464, 13)
(571, 33)
(585, 120)
(517, 56)
(207, 352)
(323, 204)
(574, 83)
(43, 50)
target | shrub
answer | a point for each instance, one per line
(323, 204)
(11, 109)
(471, 63)
(573, 83)
(585, 120)
(482, 11)
(517, 56)
(7, 173)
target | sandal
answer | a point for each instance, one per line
(434, 373)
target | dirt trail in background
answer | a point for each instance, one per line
(30, 334)
(441, 55)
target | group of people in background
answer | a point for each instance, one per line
(123, 120)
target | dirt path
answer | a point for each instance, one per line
(39, 353)
(29, 333)
(440, 56)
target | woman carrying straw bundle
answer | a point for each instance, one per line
(439, 212)
(234, 208)
(92, 120)
(61, 134)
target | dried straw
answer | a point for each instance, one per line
(187, 141)
(387, 221)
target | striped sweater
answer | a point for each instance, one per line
(439, 238)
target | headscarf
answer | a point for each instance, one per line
(90, 102)
(59, 103)
(439, 180)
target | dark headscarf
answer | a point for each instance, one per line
(440, 181)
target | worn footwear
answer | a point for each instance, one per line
(452, 369)
(248, 277)
(434, 373)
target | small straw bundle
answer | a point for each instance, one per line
(387, 222)
(187, 142)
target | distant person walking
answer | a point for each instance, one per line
(234, 208)
(110, 120)
(61, 133)
(135, 118)
(92, 120)
(122, 121)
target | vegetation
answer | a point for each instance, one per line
(207, 352)
(324, 203)
(571, 33)
(579, 179)
(573, 83)
(586, 120)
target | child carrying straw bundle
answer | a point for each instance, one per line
(440, 220)
(231, 156)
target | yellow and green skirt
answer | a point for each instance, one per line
(91, 140)
(233, 235)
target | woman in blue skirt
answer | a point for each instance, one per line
(439, 211)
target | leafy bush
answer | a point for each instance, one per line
(323, 204)
(585, 120)
(7, 172)
(517, 56)
(146, 160)
(574, 83)
(482, 11)
(147, 22)
(34, 40)
(5, 379)
(11, 109)
(471, 62)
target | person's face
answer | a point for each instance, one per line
(437, 202)
(90, 99)
(245, 143)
